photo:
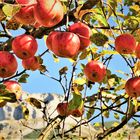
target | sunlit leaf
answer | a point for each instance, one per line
(80, 81)
(8, 97)
(135, 7)
(97, 124)
(105, 52)
(10, 10)
(112, 6)
(137, 68)
(25, 111)
(111, 82)
(115, 124)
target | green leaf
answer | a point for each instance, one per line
(99, 39)
(90, 113)
(77, 101)
(116, 116)
(23, 78)
(84, 54)
(106, 114)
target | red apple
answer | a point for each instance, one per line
(13, 87)
(77, 112)
(84, 33)
(37, 25)
(125, 43)
(95, 71)
(137, 51)
(48, 12)
(132, 87)
(26, 1)
(25, 15)
(62, 109)
(31, 63)
(63, 44)
(8, 64)
(24, 46)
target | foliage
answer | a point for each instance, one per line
(107, 19)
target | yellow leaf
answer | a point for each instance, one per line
(115, 124)
(135, 7)
(80, 13)
(10, 10)
(137, 68)
(76, 14)
(97, 124)
(25, 112)
(111, 81)
(120, 1)
(80, 81)
(138, 131)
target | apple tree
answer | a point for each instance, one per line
(99, 38)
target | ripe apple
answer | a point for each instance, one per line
(24, 46)
(37, 25)
(13, 87)
(95, 71)
(63, 44)
(84, 33)
(77, 112)
(26, 1)
(25, 15)
(48, 12)
(62, 109)
(31, 63)
(125, 43)
(137, 51)
(132, 87)
(8, 64)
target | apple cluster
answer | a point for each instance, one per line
(64, 111)
(39, 12)
(126, 44)
(69, 44)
